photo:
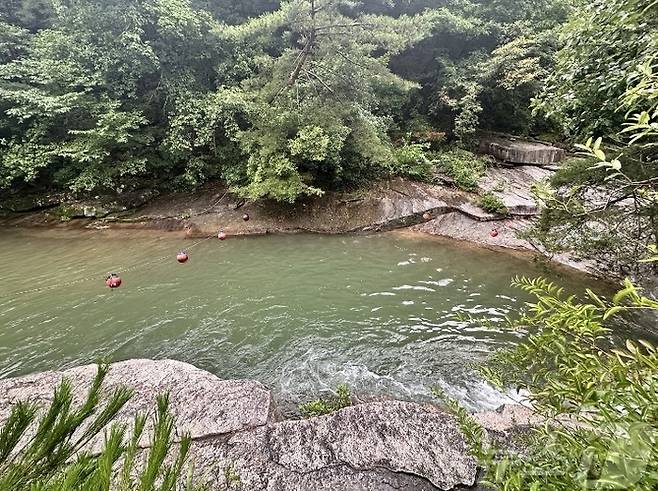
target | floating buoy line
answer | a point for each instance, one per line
(113, 280)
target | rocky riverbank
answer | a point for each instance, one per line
(398, 204)
(235, 425)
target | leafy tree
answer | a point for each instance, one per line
(87, 104)
(483, 64)
(605, 207)
(320, 88)
(604, 43)
(280, 99)
(234, 13)
(116, 93)
(598, 402)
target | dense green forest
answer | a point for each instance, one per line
(280, 100)
(290, 99)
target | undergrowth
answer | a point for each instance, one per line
(327, 405)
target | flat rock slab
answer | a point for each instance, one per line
(375, 446)
(519, 151)
(457, 225)
(203, 404)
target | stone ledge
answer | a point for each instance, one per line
(376, 446)
(203, 404)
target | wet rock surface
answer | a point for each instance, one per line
(238, 444)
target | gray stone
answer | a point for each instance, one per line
(518, 151)
(514, 187)
(508, 417)
(383, 445)
(202, 403)
(477, 230)
(379, 446)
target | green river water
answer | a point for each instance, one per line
(299, 313)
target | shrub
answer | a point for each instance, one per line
(492, 203)
(577, 172)
(411, 161)
(599, 402)
(327, 405)
(55, 458)
(463, 166)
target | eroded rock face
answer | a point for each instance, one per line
(237, 444)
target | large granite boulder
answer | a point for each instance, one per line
(202, 403)
(377, 446)
(238, 444)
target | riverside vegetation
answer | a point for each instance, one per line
(289, 100)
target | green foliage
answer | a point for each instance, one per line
(603, 42)
(597, 401)
(317, 123)
(327, 405)
(86, 105)
(493, 204)
(606, 206)
(411, 161)
(464, 167)
(602, 207)
(33, 15)
(576, 172)
(281, 100)
(484, 64)
(54, 455)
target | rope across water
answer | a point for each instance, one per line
(98, 275)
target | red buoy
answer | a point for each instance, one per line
(113, 280)
(182, 257)
(245, 217)
(427, 216)
(494, 233)
(221, 235)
